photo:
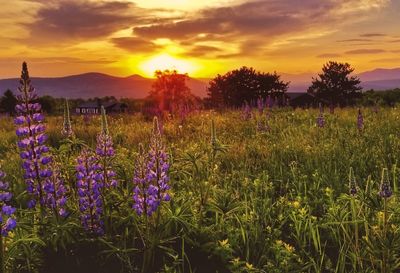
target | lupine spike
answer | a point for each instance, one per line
(320, 118)
(143, 197)
(106, 152)
(67, 127)
(246, 111)
(385, 190)
(156, 127)
(213, 134)
(152, 180)
(89, 187)
(360, 120)
(104, 124)
(352, 183)
(56, 191)
(7, 218)
(32, 140)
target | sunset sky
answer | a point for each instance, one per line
(201, 37)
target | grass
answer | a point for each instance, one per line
(274, 201)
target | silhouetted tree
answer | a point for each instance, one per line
(8, 102)
(335, 85)
(169, 91)
(244, 85)
(48, 104)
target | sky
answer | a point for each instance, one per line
(198, 37)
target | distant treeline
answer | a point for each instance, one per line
(382, 98)
(55, 106)
(335, 86)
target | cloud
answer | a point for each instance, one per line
(260, 21)
(373, 35)
(384, 60)
(81, 19)
(365, 51)
(202, 50)
(260, 17)
(328, 55)
(355, 40)
(54, 60)
(135, 44)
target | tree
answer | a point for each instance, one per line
(244, 85)
(8, 102)
(335, 85)
(169, 91)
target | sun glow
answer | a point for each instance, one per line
(164, 62)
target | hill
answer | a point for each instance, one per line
(90, 85)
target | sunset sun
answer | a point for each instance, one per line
(164, 62)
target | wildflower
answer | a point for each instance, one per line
(288, 247)
(385, 189)
(105, 152)
(56, 192)
(151, 176)
(89, 187)
(262, 126)
(144, 194)
(320, 118)
(157, 166)
(260, 105)
(7, 217)
(246, 114)
(249, 266)
(352, 183)
(360, 120)
(32, 140)
(67, 127)
(296, 204)
(224, 243)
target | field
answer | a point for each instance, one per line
(241, 199)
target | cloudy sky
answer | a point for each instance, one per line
(123, 37)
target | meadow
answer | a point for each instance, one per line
(287, 197)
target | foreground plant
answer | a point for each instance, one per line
(67, 127)
(7, 218)
(31, 132)
(320, 118)
(89, 187)
(105, 153)
(151, 175)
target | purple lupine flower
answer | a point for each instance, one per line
(89, 185)
(360, 120)
(158, 166)
(106, 152)
(376, 108)
(67, 127)
(352, 183)
(32, 139)
(263, 126)
(268, 102)
(144, 196)
(7, 217)
(246, 113)
(320, 118)
(385, 191)
(151, 176)
(260, 105)
(56, 191)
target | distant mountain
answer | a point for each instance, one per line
(380, 74)
(91, 85)
(377, 79)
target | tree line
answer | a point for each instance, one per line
(335, 86)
